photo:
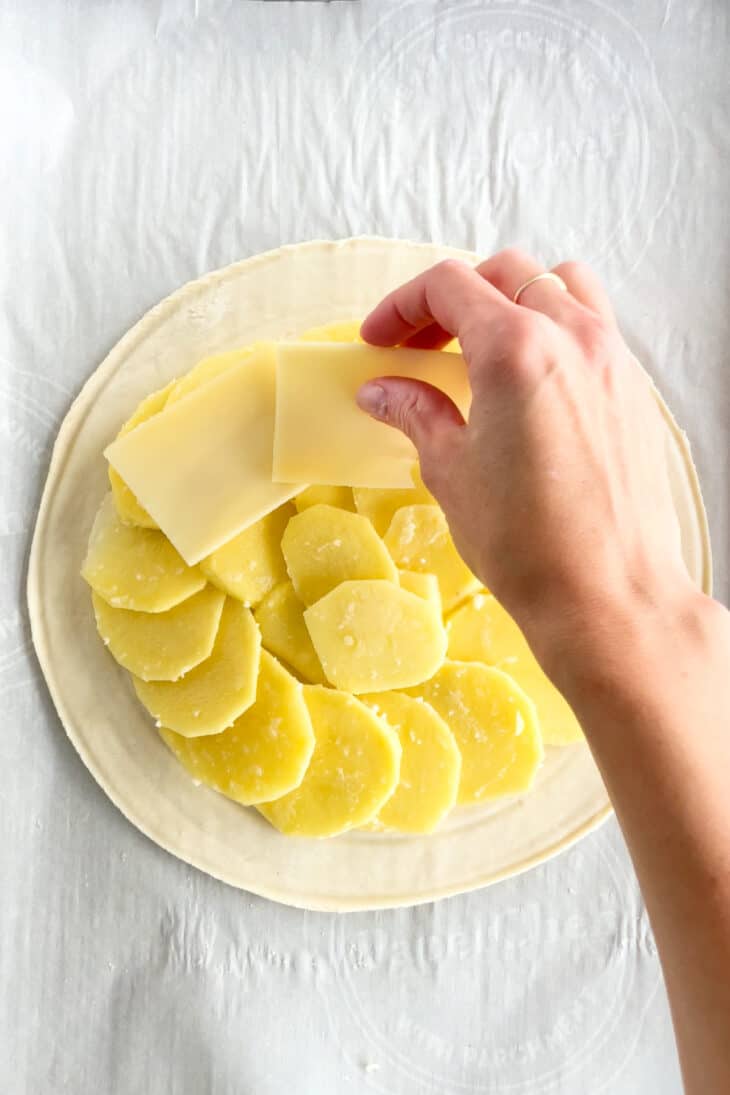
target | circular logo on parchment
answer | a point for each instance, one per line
(510, 995)
(543, 123)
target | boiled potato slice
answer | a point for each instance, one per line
(210, 697)
(128, 508)
(482, 631)
(371, 636)
(265, 753)
(495, 726)
(161, 646)
(380, 504)
(324, 546)
(430, 765)
(280, 617)
(251, 564)
(347, 331)
(353, 771)
(208, 369)
(419, 539)
(329, 496)
(136, 568)
(423, 585)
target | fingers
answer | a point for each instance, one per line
(423, 413)
(449, 295)
(508, 270)
(586, 287)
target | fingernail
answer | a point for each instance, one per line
(373, 398)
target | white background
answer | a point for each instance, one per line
(142, 144)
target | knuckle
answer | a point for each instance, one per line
(450, 268)
(598, 339)
(527, 336)
(514, 256)
(572, 270)
(407, 411)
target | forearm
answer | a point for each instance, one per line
(654, 705)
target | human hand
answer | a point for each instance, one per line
(556, 491)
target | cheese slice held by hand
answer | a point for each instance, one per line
(322, 436)
(202, 467)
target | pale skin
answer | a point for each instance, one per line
(557, 497)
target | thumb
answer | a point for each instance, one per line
(423, 413)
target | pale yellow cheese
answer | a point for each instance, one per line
(380, 505)
(135, 568)
(321, 435)
(495, 726)
(430, 766)
(206, 370)
(280, 617)
(202, 468)
(353, 771)
(371, 636)
(161, 646)
(127, 505)
(329, 496)
(483, 631)
(423, 585)
(251, 564)
(210, 697)
(324, 546)
(419, 539)
(265, 753)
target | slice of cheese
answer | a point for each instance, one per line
(495, 726)
(127, 505)
(161, 646)
(202, 468)
(280, 617)
(353, 771)
(483, 631)
(345, 331)
(324, 546)
(322, 436)
(371, 636)
(265, 753)
(210, 697)
(251, 564)
(210, 368)
(135, 568)
(430, 765)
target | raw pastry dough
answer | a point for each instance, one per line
(136, 568)
(265, 753)
(353, 771)
(372, 636)
(208, 698)
(161, 646)
(324, 546)
(482, 631)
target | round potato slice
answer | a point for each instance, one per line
(430, 765)
(127, 506)
(423, 585)
(210, 697)
(324, 546)
(380, 504)
(341, 497)
(208, 369)
(483, 631)
(251, 564)
(265, 753)
(353, 771)
(280, 617)
(136, 568)
(161, 646)
(495, 726)
(373, 636)
(419, 539)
